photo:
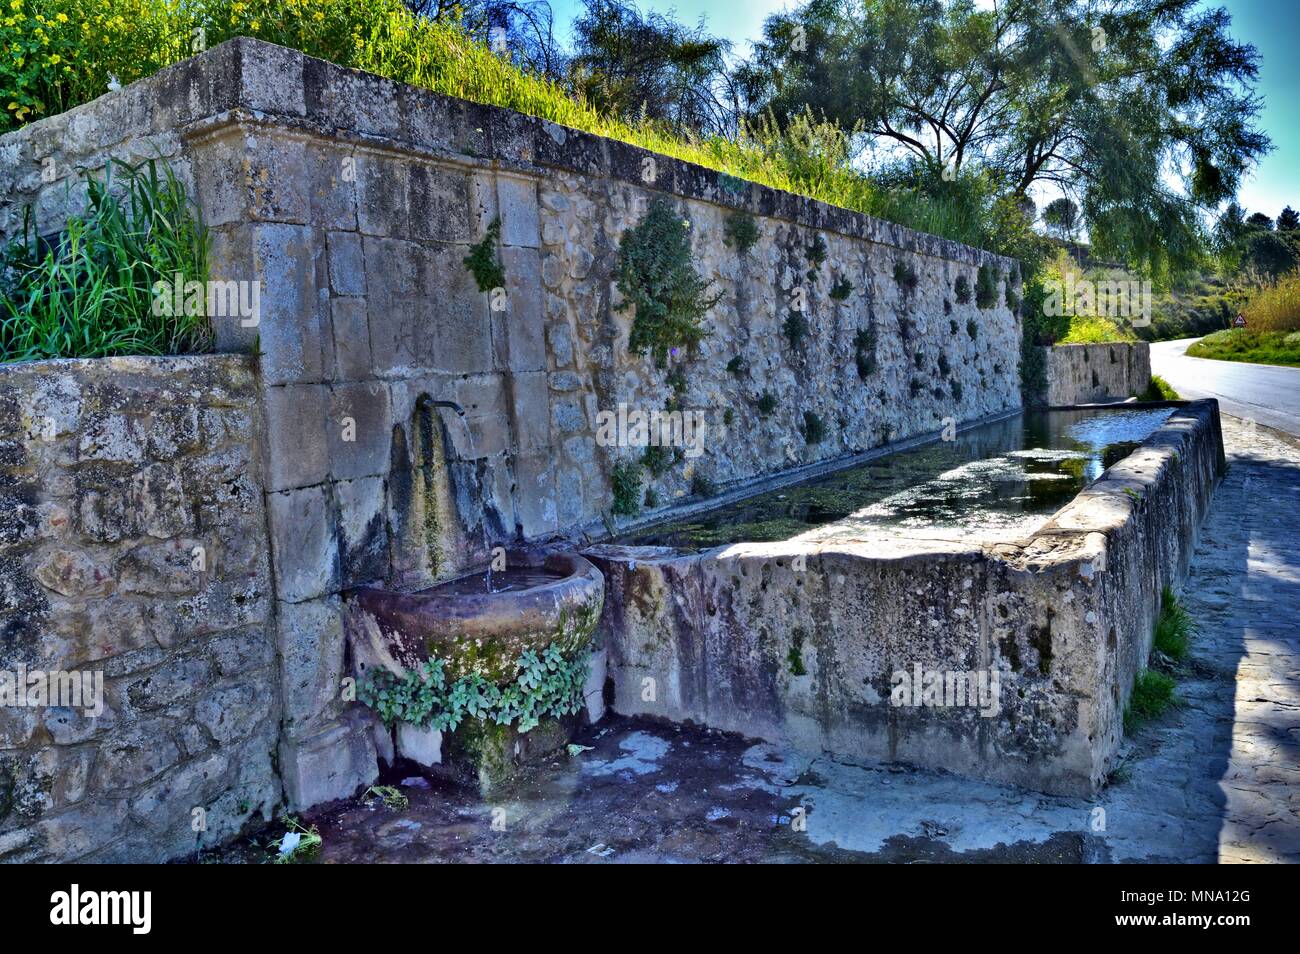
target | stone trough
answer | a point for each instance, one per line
(1003, 659)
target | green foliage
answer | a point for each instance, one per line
(1174, 626)
(1256, 347)
(1160, 390)
(91, 294)
(794, 656)
(676, 379)
(651, 498)
(657, 278)
(625, 479)
(905, 276)
(657, 458)
(740, 232)
(972, 328)
(961, 289)
(986, 287)
(1094, 330)
(1152, 696)
(738, 366)
(545, 684)
(390, 795)
(841, 288)
(814, 428)
(766, 404)
(864, 351)
(955, 386)
(702, 485)
(795, 328)
(816, 251)
(484, 263)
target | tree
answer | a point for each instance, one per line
(649, 65)
(1109, 102)
(1259, 220)
(1288, 220)
(1270, 255)
(1062, 217)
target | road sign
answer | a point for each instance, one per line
(1239, 321)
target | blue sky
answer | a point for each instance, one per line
(1273, 26)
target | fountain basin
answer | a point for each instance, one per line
(481, 622)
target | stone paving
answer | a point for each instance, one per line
(1218, 779)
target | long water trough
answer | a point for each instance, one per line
(980, 605)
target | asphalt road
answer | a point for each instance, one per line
(1263, 393)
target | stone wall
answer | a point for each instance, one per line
(1095, 373)
(354, 200)
(133, 546)
(798, 641)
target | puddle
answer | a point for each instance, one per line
(1000, 480)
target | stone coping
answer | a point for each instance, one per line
(250, 81)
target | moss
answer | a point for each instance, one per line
(626, 482)
(795, 655)
(765, 404)
(740, 232)
(841, 289)
(483, 262)
(814, 428)
(961, 290)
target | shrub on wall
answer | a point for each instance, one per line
(116, 282)
(656, 277)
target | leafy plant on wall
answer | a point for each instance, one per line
(655, 277)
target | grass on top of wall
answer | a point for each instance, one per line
(60, 53)
(91, 293)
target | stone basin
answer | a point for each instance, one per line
(480, 622)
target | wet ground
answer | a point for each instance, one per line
(998, 481)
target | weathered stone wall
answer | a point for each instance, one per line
(354, 200)
(1094, 373)
(133, 545)
(797, 642)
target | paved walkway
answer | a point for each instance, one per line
(1216, 780)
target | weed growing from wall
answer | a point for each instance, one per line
(738, 366)
(986, 287)
(702, 485)
(905, 276)
(483, 261)
(814, 428)
(795, 329)
(841, 289)
(864, 351)
(740, 232)
(766, 404)
(656, 278)
(625, 479)
(961, 290)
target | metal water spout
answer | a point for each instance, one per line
(460, 411)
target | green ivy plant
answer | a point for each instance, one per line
(656, 277)
(545, 684)
(482, 260)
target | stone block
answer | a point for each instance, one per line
(297, 445)
(381, 195)
(535, 491)
(520, 222)
(440, 204)
(233, 712)
(593, 690)
(332, 186)
(333, 763)
(393, 309)
(311, 655)
(305, 553)
(347, 265)
(454, 328)
(363, 530)
(291, 327)
(423, 746)
(352, 357)
(531, 412)
(359, 429)
(521, 324)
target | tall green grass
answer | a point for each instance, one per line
(66, 52)
(1174, 626)
(90, 293)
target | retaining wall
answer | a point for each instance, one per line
(1095, 373)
